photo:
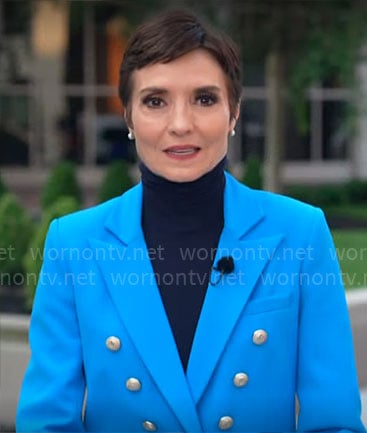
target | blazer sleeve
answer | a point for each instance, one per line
(52, 392)
(327, 385)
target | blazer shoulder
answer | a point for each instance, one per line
(291, 216)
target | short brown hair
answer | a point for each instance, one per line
(170, 35)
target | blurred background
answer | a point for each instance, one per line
(64, 146)
(304, 72)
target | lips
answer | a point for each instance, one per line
(183, 150)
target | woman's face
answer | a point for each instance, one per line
(180, 116)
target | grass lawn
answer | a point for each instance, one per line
(351, 246)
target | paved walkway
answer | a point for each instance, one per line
(357, 298)
(364, 406)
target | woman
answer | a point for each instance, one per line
(190, 303)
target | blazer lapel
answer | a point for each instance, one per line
(139, 304)
(225, 301)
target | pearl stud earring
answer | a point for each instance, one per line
(130, 135)
(233, 132)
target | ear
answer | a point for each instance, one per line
(235, 117)
(127, 117)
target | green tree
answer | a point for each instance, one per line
(253, 176)
(16, 229)
(116, 180)
(32, 258)
(302, 43)
(62, 181)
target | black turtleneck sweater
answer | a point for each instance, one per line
(182, 223)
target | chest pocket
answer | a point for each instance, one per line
(271, 303)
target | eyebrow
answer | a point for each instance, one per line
(158, 90)
(215, 89)
(162, 90)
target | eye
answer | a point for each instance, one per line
(206, 99)
(153, 102)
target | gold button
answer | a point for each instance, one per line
(225, 423)
(259, 337)
(133, 384)
(240, 379)
(113, 343)
(149, 426)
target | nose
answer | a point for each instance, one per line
(180, 119)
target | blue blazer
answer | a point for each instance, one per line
(273, 347)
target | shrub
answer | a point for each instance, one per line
(3, 189)
(330, 195)
(303, 193)
(61, 182)
(115, 181)
(253, 173)
(33, 258)
(356, 191)
(16, 229)
(321, 195)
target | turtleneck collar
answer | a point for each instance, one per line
(167, 204)
(207, 185)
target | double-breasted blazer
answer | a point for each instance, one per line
(274, 331)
